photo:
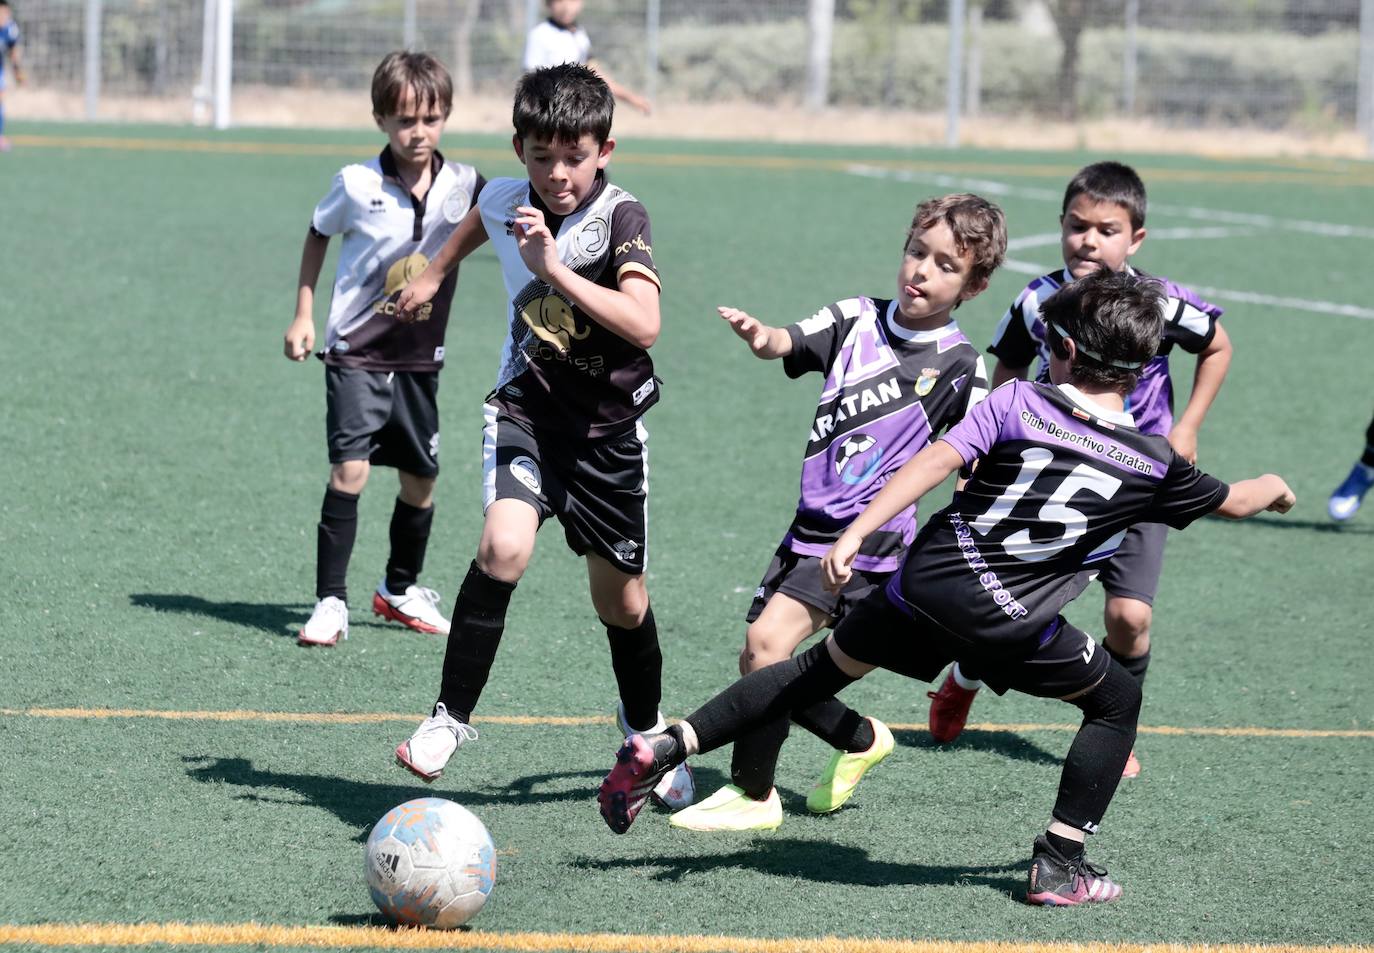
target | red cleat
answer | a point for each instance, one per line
(949, 709)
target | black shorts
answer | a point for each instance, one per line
(1067, 660)
(598, 489)
(390, 419)
(1133, 571)
(799, 576)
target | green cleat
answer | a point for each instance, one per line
(845, 769)
(730, 809)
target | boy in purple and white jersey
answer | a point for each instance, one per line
(897, 372)
(1102, 225)
(1062, 474)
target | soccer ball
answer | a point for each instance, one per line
(430, 863)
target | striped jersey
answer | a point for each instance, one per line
(888, 392)
(561, 370)
(1058, 482)
(10, 37)
(1189, 322)
(389, 236)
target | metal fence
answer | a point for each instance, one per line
(1262, 63)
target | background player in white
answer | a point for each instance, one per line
(897, 372)
(561, 39)
(10, 40)
(1061, 473)
(382, 371)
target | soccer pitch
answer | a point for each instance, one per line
(171, 756)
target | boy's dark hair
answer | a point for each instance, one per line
(979, 229)
(1115, 318)
(1112, 182)
(404, 70)
(562, 104)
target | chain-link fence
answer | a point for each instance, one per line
(1262, 63)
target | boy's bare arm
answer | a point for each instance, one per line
(1249, 497)
(1212, 364)
(767, 343)
(300, 336)
(17, 62)
(1002, 373)
(913, 480)
(630, 311)
(469, 236)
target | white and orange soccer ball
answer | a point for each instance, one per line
(430, 863)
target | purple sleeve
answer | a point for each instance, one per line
(974, 436)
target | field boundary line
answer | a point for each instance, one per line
(343, 937)
(368, 718)
(838, 164)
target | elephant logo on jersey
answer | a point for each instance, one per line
(551, 319)
(858, 458)
(400, 274)
(926, 382)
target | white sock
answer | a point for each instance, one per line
(689, 738)
(967, 684)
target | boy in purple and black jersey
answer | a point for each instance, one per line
(1062, 473)
(1102, 225)
(897, 372)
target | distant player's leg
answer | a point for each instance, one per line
(1346, 499)
(1071, 666)
(4, 142)
(410, 443)
(513, 493)
(1131, 580)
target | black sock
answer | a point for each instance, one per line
(1092, 768)
(1367, 458)
(334, 542)
(771, 692)
(754, 760)
(837, 725)
(1068, 848)
(479, 618)
(409, 539)
(638, 666)
(1135, 667)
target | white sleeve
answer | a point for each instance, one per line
(332, 214)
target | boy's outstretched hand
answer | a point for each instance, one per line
(300, 338)
(766, 342)
(1285, 500)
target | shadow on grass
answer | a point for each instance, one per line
(820, 862)
(1008, 744)
(360, 803)
(1276, 521)
(274, 618)
(377, 920)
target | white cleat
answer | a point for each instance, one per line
(426, 752)
(678, 788)
(327, 624)
(417, 608)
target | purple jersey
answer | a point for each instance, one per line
(1059, 480)
(888, 392)
(1189, 322)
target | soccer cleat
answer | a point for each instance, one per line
(1346, 500)
(949, 709)
(326, 625)
(1059, 881)
(678, 789)
(845, 769)
(426, 752)
(730, 809)
(1132, 769)
(640, 764)
(417, 608)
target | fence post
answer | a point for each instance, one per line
(956, 72)
(224, 61)
(1130, 57)
(651, 23)
(973, 93)
(820, 27)
(92, 52)
(1364, 100)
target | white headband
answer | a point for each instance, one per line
(1124, 365)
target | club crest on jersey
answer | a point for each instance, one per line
(455, 206)
(591, 239)
(526, 471)
(926, 382)
(858, 458)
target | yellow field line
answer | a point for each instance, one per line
(368, 718)
(340, 937)
(1362, 177)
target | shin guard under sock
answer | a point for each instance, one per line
(479, 618)
(409, 539)
(638, 666)
(1135, 667)
(1092, 768)
(334, 543)
(837, 725)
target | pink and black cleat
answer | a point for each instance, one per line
(1058, 881)
(640, 764)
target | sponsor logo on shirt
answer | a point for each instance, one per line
(375, 206)
(637, 243)
(400, 274)
(552, 321)
(438, 354)
(642, 392)
(858, 458)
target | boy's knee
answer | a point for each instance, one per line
(1128, 626)
(349, 476)
(762, 647)
(504, 555)
(624, 609)
(417, 491)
